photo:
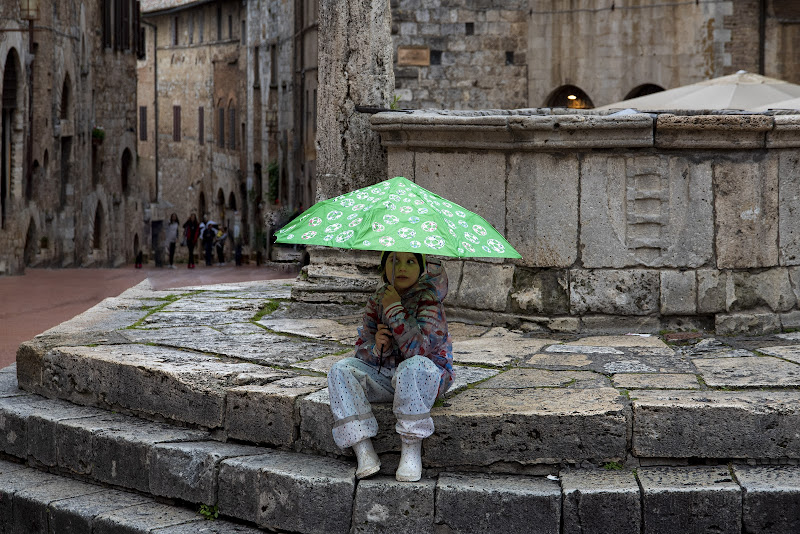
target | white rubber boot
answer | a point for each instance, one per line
(368, 461)
(410, 468)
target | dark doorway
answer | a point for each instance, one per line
(569, 96)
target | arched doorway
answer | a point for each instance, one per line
(569, 96)
(232, 202)
(97, 233)
(125, 169)
(201, 206)
(643, 90)
(220, 206)
(66, 99)
(135, 245)
(12, 78)
(31, 244)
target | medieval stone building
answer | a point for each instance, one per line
(69, 192)
(192, 113)
(477, 54)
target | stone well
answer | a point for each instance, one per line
(635, 222)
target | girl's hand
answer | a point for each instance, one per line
(383, 337)
(390, 296)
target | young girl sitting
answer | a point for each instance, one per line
(403, 354)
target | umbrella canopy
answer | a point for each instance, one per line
(397, 215)
(741, 91)
(791, 104)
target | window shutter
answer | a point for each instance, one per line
(201, 125)
(232, 128)
(142, 123)
(176, 123)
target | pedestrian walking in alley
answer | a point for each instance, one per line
(219, 243)
(208, 236)
(404, 355)
(173, 230)
(191, 229)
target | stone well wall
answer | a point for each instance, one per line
(625, 223)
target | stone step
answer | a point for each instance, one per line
(36, 502)
(295, 492)
(208, 359)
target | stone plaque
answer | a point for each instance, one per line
(418, 56)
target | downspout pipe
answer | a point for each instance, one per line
(155, 107)
(762, 35)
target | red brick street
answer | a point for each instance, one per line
(43, 298)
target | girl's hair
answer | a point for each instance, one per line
(175, 215)
(385, 257)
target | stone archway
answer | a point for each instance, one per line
(12, 80)
(31, 244)
(569, 96)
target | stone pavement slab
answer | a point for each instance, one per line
(313, 328)
(537, 378)
(655, 381)
(789, 352)
(605, 363)
(749, 372)
(496, 351)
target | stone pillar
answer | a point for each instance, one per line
(355, 69)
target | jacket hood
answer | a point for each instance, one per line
(434, 278)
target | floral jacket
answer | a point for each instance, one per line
(418, 326)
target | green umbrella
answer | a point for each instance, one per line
(397, 215)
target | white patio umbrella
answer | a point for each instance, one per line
(743, 91)
(791, 104)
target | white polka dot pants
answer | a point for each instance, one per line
(353, 383)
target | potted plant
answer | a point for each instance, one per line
(98, 134)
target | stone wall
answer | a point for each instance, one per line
(477, 54)
(632, 223)
(83, 204)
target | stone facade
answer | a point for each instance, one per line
(75, 199)
(192, 116)
(617, 222)
(476, 54)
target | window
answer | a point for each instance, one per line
(201, 23)
(219, 23)
(469, 28)
(243, 36)
(120, 24)
(176, 123)
(142, 123)
(221, 128)
(191, 29)
(230, 26)
(174, 30)
(201, 125)
(273, 66)
(232, 128)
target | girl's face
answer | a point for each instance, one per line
(404, 269)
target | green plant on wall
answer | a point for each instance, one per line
(98, 133)
(394, 103)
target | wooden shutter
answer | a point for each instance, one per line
(201, 125)
(176, 123)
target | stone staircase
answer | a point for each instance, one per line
(150, 405)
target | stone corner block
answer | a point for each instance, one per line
(385, 505)
(485, 286)
(268, 413)
(697, 499)
(620, 292)
(678, 293)
(770, 497)
(289, 491)
(610, 498)
(496, 503)
(747, 323)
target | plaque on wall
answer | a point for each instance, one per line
(416, 56)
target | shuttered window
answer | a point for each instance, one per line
(142, 123)
(201, 125)
(221, 128)
(232, 128)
